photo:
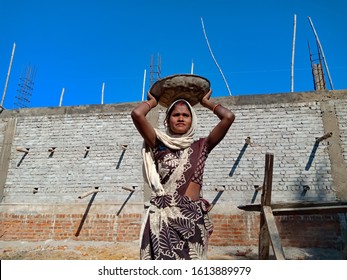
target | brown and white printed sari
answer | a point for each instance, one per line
(175, 227)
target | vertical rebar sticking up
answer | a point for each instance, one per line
(192, 68)
(293, 55)
(8, 75)
(323, 56)
(61, 97)
(155, 70)
(25, 88)
(143, 85)
(317, 71)
(102, 93)
(214, 59)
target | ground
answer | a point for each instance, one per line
(79, 250)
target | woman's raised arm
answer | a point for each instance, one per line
(226, 119)
(138, 115)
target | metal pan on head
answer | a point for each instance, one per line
(181, 86)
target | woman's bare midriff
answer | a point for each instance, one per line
(193, 191)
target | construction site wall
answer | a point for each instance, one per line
(52, 157)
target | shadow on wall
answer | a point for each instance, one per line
(243, 150)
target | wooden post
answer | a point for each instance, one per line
(273, 233)
(268, 229)
(264, 240)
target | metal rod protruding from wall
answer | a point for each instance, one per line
(86, 149)
(248, 140)
(124, 148)
(23, 150)
(220, 189)
(129, 189)
(325, 136)
(89, 193)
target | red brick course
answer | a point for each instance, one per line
(229, 230)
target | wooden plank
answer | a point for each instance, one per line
(264, 240)
(273, 234)
(267, 185)
(304, 204)
(250, 207)
(310, 210)
(264, 243)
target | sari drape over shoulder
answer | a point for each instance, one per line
(176, 227)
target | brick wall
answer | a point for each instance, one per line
(98, 149)
(97, 227)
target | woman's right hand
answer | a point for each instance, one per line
(152, 100)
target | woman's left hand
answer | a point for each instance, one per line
(205, 101)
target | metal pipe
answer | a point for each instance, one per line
(220, 189)
(21, 149)
(325, 136)
(293, 53)
(61, 97)
(8, 76)
(128, 189)
(143, 85)
(88, 193)
(102, 93)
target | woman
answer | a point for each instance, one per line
(177, 225)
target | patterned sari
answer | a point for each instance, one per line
(176, 227)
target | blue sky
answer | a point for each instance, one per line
(79, 45)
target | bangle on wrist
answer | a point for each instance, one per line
(149, 105)
(215, 107)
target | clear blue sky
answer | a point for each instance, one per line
(79, 45)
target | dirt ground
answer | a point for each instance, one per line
(79, 250)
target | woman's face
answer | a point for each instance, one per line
(180, 119)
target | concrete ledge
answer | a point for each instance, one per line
(229, 100)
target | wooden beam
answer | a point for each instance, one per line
(311, 207)
(310, 210)
(264, 240)
(273, 233)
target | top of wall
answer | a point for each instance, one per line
(257, 99)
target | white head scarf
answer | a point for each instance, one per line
(173, 141)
